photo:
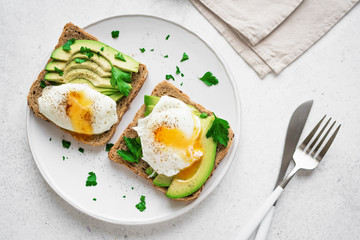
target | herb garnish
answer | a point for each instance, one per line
(66, 144)
(209, 79)
(142, 49)
(102, 49)
(42, 84)
(67, 45)
(120, 79)
(115, 34)
(142, 204)
(181, 83)
(167, 37)
(91, 180)
(81, 150)
(185, 57)
(152, 50)
(109, 146)
(134, 152)
(178, 70)
(86, 51)
(203, 115)
(59, 71)
(182, 75)
(219, 131)
(94, 199)
(169, 76)
(166, 56)
(120, 57)
(80, 60)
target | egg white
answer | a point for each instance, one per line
(52, 106)
(172, 113)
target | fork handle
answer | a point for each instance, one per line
(259, 215)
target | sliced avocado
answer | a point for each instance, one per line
(151, 172)
(105, 91)
(90, 65)
(184, 187)
(150, 102)
(99, 60)
(162, 180)
(130, 65)
(116, 96)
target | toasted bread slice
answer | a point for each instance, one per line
(138, 79)
(162, 89)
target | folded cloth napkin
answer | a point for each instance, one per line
(296, 33)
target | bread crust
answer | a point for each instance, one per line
(138, 79)
(162, 89)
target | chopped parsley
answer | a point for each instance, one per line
(209, 79)
(120, 79)
(166, 56)
(134, 152)
(42, 84)
(120, 57)
(66, 144)
(152, 50)
(63, 158)
(59, 71)
(115, 34)
(219, 131)
(132, 188)
(203, 115)
(167, 37)
(169, 76)
(67, 45)
(181, 83)
(182, 75)
(142, 204)
(81, 150)
(91, 180)
(80, 60)
(124, 196)
(109, 146)
(94, 199)
(185, 57)
(178, 70)
(50, 139)
(87, 52)
(102, 49)
(142, 49)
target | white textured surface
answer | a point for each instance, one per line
(321, 205)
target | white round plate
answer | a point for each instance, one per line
(119, 189)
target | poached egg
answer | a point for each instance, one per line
(170, 137)
(78, 108)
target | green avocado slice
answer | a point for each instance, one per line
(90, 65)
(129, 65)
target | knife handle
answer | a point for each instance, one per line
(264, 227)
(259, 215)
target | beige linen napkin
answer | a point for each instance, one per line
(297, 33)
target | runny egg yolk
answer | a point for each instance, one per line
(79, 111)
(175, 138)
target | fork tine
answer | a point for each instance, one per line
(317, 137)
(322, 140)
(327, 145)
(311, 134)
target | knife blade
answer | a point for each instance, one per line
(295, 128)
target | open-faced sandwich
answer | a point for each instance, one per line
(86, 87)
(174, 143)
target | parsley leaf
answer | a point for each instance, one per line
(169, 76)
(152, 50)
(134, 152)
(209, 79)
(102, 49)
(120, 79)
(67, 45)
(66, 144)
(81, 150)
(115, 34)
(142, 204)
(80, 60)
(182, 75)
(43, 85)
(177, 70)
(120, 57)
(166, 56)
(185, 57)
(94, 199)
(142, 49)
(91, 180)
(59, 71)
(86, 51)
(219, 131)
(109, 146)
(167, 37)
(203, 115)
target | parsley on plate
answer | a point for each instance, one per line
(178, 70)
(66, 144)
(141, 206)
(185, 57)
(219, 131)
(91, 180)
(169, 76)
(115, 34)
(134, 152)
(142, 49)
(209, 79)
(167, 37)
(109, 146)
(81, 150)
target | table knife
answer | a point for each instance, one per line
(295, 128)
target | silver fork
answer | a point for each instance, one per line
(307, 156)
